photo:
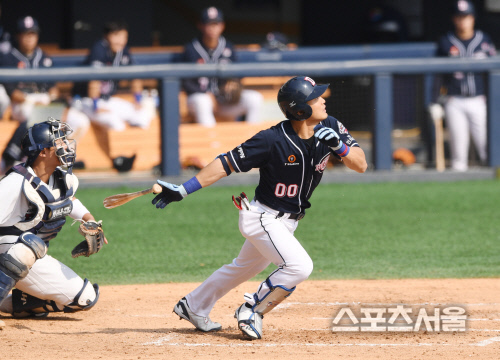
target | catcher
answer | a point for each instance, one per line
(36, 198)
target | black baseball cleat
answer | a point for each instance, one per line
(123, 163)
(200, 322)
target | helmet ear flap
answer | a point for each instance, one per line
(305, 112)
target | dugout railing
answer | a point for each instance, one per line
(382, 70)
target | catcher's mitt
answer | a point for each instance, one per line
(94, 239)
(229, 91)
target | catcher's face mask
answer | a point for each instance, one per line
(65, 148)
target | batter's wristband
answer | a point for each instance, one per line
(192, 185)
(342, 151)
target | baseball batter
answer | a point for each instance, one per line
(465, 106)
(36, 198)
(291, 157)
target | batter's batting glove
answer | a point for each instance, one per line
(328, 136)
(170, 193)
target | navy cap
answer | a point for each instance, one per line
(27, 24)
(463, 7)
(211, 15)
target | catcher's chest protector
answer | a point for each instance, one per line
(48, 207)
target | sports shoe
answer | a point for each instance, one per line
(249, 323)
(201, 323)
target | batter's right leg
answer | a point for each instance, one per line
(199, 302)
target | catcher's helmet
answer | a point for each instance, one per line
(50, 133)
(294, 95)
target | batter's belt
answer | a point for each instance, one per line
(297, 217)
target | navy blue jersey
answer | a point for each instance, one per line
(290, 167)
(479, 47)
(101, 55)
(15, 59)
(196, 52)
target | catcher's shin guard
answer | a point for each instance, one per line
(272, 299)
(25, 305)
(85, 299)
(15, 263)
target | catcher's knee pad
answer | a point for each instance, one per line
(25, 305)
(272, 299)
(15, 264)
(85, 299)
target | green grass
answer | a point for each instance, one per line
(368, 231)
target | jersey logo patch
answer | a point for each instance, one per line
(342, 128)
(310, 80)
(323, 163)
(292, 161)
(241, 152)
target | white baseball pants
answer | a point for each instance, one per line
(269, 239)
(115, 112)
(466, 117)
(202, 107)
(48, 279)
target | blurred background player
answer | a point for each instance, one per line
(5, 46)
(307, 139)
(105, 110)
(208, 97)
(25, 96)
(465, 104)
(36, 198)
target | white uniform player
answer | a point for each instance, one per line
(36, 198)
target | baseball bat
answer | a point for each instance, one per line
(117, 200)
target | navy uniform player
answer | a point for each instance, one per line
(465, 106)
(100, 103)
(36, 198)
(209, 96)
(26, 95)
(291, 157)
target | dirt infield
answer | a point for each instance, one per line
(136, 322)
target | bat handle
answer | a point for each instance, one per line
(156, 189)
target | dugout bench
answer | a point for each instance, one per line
(146, 143)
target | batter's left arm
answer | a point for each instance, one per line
(214, 171)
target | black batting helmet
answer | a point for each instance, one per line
(50, 133)
(294, 95)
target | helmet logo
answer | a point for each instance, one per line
(293, 103)
(307, 78)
